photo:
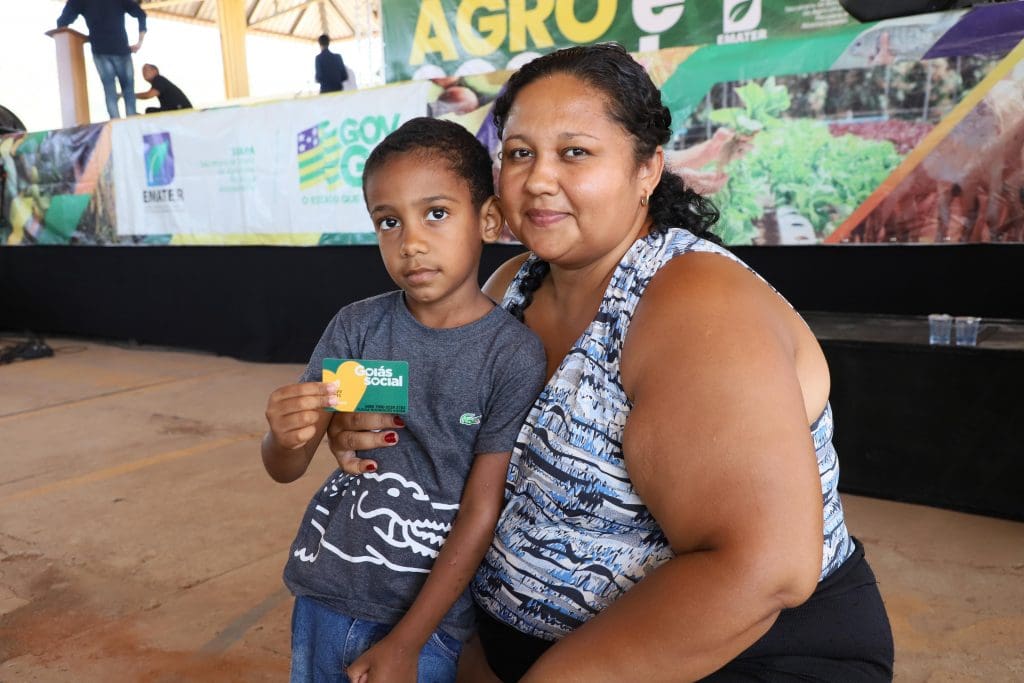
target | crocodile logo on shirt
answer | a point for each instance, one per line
(405, 542)
(469, 419)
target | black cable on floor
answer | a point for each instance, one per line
(33, 347)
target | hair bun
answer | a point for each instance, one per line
(666, 118)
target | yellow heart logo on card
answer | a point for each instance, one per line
(351, 385)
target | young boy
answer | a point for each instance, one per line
(388, 545)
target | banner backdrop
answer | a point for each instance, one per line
(293, 167)
(906, 130)
(435, 38)
(53, 183)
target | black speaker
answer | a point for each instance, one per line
(875, 10)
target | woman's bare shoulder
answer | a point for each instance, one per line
(502, 277)
(699, 281)
(708, 306)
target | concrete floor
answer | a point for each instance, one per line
(141, 540)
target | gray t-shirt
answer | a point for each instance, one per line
(367, 543)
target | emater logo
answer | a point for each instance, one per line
(740, 21)
(159, 159)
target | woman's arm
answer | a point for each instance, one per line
(718, 446)
(457, 561)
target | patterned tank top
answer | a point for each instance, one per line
(574, 534)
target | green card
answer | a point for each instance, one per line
(369, 386)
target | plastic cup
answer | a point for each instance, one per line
(940, 326)
(967, 330)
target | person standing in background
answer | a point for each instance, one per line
(110, 49)
(330, 67)
(171, 97)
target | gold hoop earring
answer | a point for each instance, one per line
(643, 202)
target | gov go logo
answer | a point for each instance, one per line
(358, 137)
(328, 154)
(740, 21)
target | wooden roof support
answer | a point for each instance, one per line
(232, 23)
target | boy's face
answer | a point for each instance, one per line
(430, 233)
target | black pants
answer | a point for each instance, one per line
(154, 110)
(840, 634)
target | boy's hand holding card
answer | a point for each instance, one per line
(368, 386)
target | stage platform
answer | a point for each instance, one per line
(938, 425)
(141, 540)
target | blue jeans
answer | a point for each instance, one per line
(325, 643)
(119, 66)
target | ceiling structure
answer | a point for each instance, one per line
(300, 19)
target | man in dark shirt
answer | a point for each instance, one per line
(330, 67)
(170, 95)
(110, 49)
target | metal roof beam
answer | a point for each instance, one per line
(344, 17)
(284, 12)
(158, 4)
(298, 19)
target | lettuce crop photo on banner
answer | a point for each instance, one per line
(848, 136)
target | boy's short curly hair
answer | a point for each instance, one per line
(438, 139)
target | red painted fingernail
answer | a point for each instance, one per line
(399, 422)
(391, 437)
(371, 467)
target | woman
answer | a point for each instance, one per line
(672, 512)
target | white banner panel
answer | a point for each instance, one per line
(285, 167)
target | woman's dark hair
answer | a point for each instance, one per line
(438, 139)
(635, 103)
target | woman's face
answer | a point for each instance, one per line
(570, 186)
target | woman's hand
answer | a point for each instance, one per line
(705, 183)
(724, 146)
(701, 165)
(727, 145)
(351, 432)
